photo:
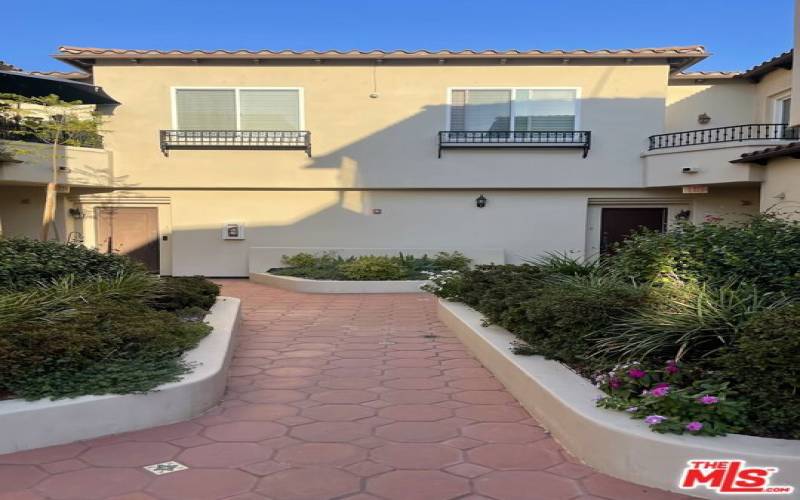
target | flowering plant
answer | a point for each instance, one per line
(445, 284)
(671, 399)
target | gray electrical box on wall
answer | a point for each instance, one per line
(233, 231)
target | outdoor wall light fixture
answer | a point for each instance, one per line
(76, 213)
(480, 201)
(703, 118)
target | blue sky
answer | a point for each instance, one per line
(723, 26)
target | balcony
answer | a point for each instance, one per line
(703, 156)
(77, 166)
(734, 133)
(533, 139)
(235, 139)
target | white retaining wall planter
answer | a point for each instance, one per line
(303, 285)
(33, 424)
(262, 258)
(608, 441)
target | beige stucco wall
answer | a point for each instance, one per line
(79, 166)
(21, 212)
(525, 223)
(773, 84)
(709, 164)
(389, 141)
(780, 191)
(727, 103)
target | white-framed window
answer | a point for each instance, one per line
(781, 107)
(237, 108)
(513, 109)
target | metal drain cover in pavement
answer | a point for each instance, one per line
(165, 468)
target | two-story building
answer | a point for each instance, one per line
(217, 162)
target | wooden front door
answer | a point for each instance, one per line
(129, 231)
(618, 223)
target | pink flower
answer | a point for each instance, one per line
(615, 383)
(694, 426)
(661, 391)
(708, 400)
(654, 419)
(672, 367)
(636, 373)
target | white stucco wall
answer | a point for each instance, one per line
(524, 223)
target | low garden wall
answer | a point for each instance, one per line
(33, 424)
(303, 285)
(608, 441)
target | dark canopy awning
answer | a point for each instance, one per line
(27, 85)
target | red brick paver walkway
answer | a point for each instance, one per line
(331, 396)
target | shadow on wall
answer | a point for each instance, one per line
(403, 153)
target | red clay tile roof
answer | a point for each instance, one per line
(4, 66)
(700, 75)
(66, 75)
(68, 52)
(780, 61)
(762, 156)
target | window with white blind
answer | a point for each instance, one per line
(513, 109)
(238, 109)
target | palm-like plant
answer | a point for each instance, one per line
(685, 321)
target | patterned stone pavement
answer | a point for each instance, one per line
(350, 396)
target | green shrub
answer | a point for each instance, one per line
(373, 267)
(566, 264)
(492, 290)
(57, 301)
(763, 252)
(185, 292)
(25, 262)
(446, 261)
(762, 364)
(685, 321)
(91, 338)
(306, 259)
(329, 266)
(566, 311)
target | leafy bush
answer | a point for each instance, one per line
(685, 321)
(373, 267)
(329, 266)
(185, 292)
(91, 338)
(567, 265)
(672, 400)
(25, 262)
(762, 363)
(567, 310)
(447, 261)
(763, 252)
(658, 299)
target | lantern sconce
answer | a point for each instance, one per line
(703, 119)
(480, 201)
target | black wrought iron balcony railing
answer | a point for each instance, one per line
(463, 139)
(734, 133)
(235, 139)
